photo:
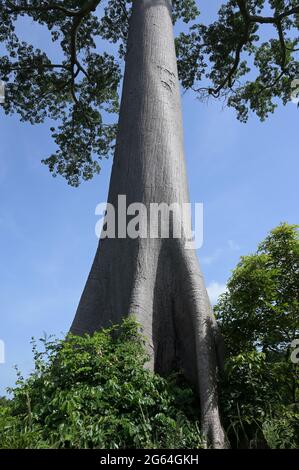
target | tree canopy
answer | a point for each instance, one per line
(229, 58)
(260, 308)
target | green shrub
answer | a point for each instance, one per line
(281, 430)
(254, 402)
(94, 392)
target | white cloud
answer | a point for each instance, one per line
(211, 258)
(233, 245)
(214, 290)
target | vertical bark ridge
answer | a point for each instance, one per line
(155, 280)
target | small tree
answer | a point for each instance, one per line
(259, 318)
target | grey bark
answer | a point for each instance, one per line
(156, 280)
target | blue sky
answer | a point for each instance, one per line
(246, 176)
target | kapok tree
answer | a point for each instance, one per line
(157, 280)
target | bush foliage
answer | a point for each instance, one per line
(94, 392)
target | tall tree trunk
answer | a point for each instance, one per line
(156, 280)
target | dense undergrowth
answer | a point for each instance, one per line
(94, 392)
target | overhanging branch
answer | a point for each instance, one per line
(77, 17)
(249, 20)
(41, 8)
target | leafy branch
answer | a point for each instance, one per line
(249, 22)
